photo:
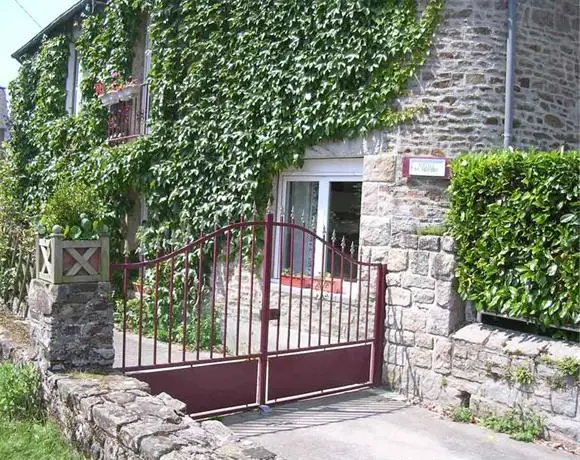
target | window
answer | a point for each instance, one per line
(73, 82)
(326, 196)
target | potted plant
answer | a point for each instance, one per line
(130, 90)
(295, 279)
(73, 243)
(328, 284)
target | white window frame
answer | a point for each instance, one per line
(70, 79)
(323, 171)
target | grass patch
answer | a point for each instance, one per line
(19, 395)
(518, 425)
(433, 230)
(24, 431)
(462, 414)
(26, 440)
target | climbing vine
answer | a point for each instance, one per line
(239, 90)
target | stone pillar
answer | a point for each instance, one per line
(422, 306)
(71, 325)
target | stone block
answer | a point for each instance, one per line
(424, 296)
(564, 425)
(443, 266)
(565, 401)
(398, 296)
(111, 417)
(473, 333)
(467, 369)
(404, 240)
(445, 294)
(393, 279)
(172, 403)
(438, 321)
(132, 434)
(419, 262)
(497, 339)
(526, 345)
(428, 243)
(375, 231)
(423, 340)
(394, 354)
(442, 355)
(399, 337)
(379, 168)
(153, 447)
(420, 357)
(418, 281)
(397, 260)
(559, 350)
(413, 319)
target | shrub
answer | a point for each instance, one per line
(523, 375)
(76, 207)
(175, 323)
(570, 367)
(514, 217)
(19, 392)
(462, 414)
(518, 425)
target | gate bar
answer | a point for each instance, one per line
(379, 325)
(265, 313)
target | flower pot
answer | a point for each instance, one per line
(296, 281)
(128, 92)
(110, 98)
(328, 285)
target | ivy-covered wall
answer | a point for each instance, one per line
(239, 90)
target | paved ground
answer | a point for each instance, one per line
(132, 351)
(375, 425)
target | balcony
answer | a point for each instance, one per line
(128, 114)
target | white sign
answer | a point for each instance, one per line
(432, 167)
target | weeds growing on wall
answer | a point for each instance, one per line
(515, 219)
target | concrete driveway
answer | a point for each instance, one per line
(377, 425)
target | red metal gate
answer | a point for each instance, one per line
(205, 325)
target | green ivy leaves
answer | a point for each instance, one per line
(239, 90)
(514, 217)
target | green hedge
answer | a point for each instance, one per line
(515, 220)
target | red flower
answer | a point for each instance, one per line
(99, 88)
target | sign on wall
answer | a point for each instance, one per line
(426, 167)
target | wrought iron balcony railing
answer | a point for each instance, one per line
(129, 115)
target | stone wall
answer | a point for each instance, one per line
(492, 370)
(461, 86)
(114, 417)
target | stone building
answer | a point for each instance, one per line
(357, 188)
(4, 121)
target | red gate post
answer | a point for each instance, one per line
(379, 325)
(265, 312)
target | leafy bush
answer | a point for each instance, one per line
(518, 425)
(19, 392)
(514, 217)
(462, 414)
(76, 207)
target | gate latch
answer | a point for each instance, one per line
(273, 314)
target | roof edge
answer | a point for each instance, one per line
(60, 20)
